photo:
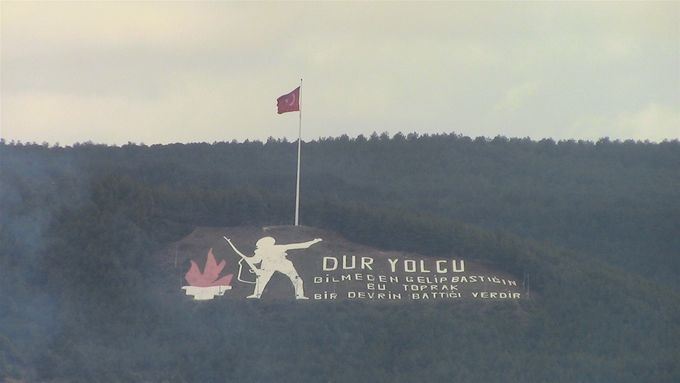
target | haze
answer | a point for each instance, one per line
(185, 72)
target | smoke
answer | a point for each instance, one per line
(36, 183)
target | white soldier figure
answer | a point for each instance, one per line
(272, 258)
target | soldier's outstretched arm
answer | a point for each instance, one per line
(302, 245)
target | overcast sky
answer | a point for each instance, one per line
(186, 72)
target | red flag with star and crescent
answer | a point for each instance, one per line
(289, 102)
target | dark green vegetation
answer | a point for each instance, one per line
(595, 225)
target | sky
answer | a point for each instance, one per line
(163, 72)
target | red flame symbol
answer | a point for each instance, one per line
(209, 275)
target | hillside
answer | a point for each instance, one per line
(89, 293)
(614, 201)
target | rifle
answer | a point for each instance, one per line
(247, 259)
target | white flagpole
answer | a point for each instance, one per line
(297, 189)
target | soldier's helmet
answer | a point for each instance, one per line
(265, 242)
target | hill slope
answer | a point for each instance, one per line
(614, 201)
(83, 297)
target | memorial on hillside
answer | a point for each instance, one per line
(298, 263)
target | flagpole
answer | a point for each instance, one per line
(297, 189)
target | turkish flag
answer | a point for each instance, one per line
(289, 102)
